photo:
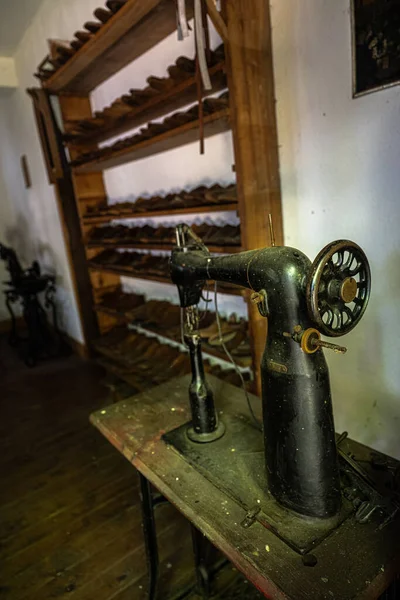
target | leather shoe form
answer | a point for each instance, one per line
(92, 26)
(102, 14)
(115, 5)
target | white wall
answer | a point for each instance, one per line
(8, 74)
(33, 227)
(341, 179)
(339, 173)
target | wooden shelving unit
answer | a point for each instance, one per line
(247, 71)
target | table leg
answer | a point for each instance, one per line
(13, 336)
(200, 545)
(150, 535)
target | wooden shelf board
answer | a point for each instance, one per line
(119, 361)
(162, 213)
(118, 370)
(180, 95)
(139, 246)
(113, 312)
(132, 31)
(126, 272)
(116, 358)
(129, 377)
(89, 197)
(240, 361)
(185, 134)
(234, 290)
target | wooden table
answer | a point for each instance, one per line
(355, 562)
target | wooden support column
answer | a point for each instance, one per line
(89, 190)
(252, 105)
(59, 175)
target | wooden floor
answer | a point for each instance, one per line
(69, 514)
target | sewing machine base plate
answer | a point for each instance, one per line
(235, 464)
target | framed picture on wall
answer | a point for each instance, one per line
(376, 44)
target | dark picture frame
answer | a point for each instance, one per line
(375, 45)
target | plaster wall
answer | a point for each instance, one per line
(8, 75)
(341, 179)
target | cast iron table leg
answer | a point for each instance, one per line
(200, 544)
(150, 535)
(149, 502)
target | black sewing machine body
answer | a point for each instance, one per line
(296, 390)
(289, 476)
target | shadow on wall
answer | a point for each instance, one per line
(18, 236)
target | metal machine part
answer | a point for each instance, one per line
(338, 287)
(205, 426)
(241, 476)
(299, 437)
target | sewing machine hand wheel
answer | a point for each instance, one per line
(338, 287)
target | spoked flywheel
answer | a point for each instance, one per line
(338, 287)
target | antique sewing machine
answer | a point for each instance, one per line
(291, 474)
(302, 512)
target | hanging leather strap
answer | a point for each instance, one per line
(183, 29)
(206, 31)
(201, 44)
(200, 101)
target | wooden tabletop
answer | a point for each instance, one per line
(355, 562)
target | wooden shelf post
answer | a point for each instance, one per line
(59, 175)
(253, 120)
(88, 189)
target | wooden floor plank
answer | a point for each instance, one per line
(84, 526)
(33, 477)
(131, 568)
(69, 506)
(64, 521)
(64, 555)
(48, 483)
(18, 517)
